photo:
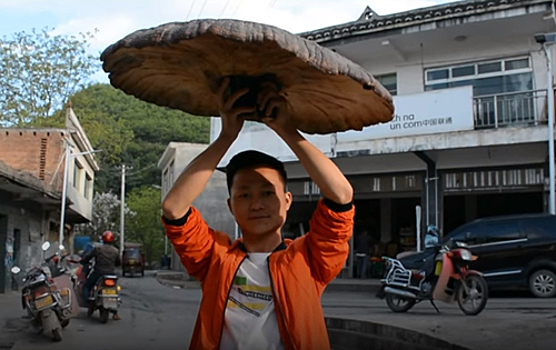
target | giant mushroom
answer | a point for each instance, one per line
(181, 65)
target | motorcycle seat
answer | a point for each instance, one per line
(111, 276)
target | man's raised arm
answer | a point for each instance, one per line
(195, 176)
(332, 183)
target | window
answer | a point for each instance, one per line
(477, 235)
(171, 174)
(487, 78)
(502, 89)
(484, 68)
(461, 234)
(463, 71)
(77, 170)
(438, 74)
(540, 228)
(521, 63)
(165, 185)
(390, 82)
(502, 232)
(87, 186)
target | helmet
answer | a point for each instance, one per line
(432, 230)
(108, 237)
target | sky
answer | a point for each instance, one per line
(114, 19)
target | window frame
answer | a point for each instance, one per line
(380, 77)
(77, 174)
(477, 75)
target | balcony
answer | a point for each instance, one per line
(516, 108)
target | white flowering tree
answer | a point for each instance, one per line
(106, 216)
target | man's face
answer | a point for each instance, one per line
(258, 201)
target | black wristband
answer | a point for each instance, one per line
(177, 222)
(336, 207)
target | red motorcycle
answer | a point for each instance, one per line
(46, 295)
(449, 280)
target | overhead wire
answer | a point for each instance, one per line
(237, 7)
(190, 8)
(202, 8)
(224, 9)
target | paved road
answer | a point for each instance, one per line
(153, 316)
(162, 317)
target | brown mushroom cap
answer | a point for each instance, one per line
(181, 65)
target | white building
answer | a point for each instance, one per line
(470, 135)
(211, 203)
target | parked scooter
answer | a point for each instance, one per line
(449, 280)
(47, 305)
(104, 295)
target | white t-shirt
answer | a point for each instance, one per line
(250, 321)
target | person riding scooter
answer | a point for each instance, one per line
(107, 257)
(431, 237)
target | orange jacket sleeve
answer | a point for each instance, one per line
(328, 241)
(194, 242)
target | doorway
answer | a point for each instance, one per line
(3, 238)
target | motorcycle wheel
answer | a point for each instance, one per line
(474, 302)
(57, 334)
(90, 309)
(104, 315)
(399, 304)
(65, 323)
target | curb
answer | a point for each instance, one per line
(347, 334)
(371, 288)
(176, 280)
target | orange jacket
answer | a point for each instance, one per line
(299, 272)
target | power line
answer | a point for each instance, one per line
(190, 8)
(141, 170)
(224, 9)
(202, 8)
(237, 7)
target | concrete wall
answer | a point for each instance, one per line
(31, 221)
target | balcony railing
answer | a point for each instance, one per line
(516, 108)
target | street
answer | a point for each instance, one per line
(152, 315)
(162, 317)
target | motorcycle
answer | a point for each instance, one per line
(46, 303)
(104, 296)
(451, 281)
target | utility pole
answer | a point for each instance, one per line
(64, 195)
(122, 211)
(547, 40)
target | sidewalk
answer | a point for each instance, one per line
(10, 307)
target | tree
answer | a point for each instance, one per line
(106, 216)
(128, 131)
(39, 71)
(145, 227)
(132, 132)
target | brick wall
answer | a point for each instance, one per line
(38, 152)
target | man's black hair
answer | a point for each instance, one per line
(251, 159)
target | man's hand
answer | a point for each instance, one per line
(195, 176)
(274, 109)
(321, 169)
(232, 118)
